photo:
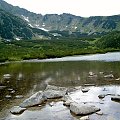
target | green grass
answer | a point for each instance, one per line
(42, 49)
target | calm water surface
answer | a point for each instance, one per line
(30, 77)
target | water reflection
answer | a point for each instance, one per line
(27, 78)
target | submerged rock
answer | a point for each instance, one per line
(84, 118)
(35, 99)
(17, 110)
(19, 96)
(8, 96)
(117, 79)
(91, 73)
(81, 109)
(85, 90)
(101, 96)
(12, 92)
(115, 98)
(10, 89)
(6, 76)
(109, 76)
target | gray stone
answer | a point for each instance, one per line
(83, 109)
(116, 98)
(35, 99)
(84, 118)
(19, 96)
(53, 94)
(17, 110)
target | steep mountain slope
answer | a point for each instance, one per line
(66, 22)
(13, 27)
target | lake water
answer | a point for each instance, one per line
(29, 77)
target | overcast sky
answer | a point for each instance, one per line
(83, 8)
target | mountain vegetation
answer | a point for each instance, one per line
(111, 40)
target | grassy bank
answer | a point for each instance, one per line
(42, 49)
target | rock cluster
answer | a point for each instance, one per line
(53, 92)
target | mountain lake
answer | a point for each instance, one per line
(100, 73)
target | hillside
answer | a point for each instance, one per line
(13, 27)
(66, 22)
(111, 40)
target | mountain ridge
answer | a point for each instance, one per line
(65, 21)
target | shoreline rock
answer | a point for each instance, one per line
(35, 99)
(17, 110)
(115, 98)
(82, 109)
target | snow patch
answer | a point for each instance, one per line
(25, 18)
(37, 26)
(43, 29)
(17, 39)
(30, 25)
(75, 27)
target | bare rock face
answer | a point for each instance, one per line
(17, 110)
(81, 109)
(35, 99)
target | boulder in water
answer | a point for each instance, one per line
(82, 109)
